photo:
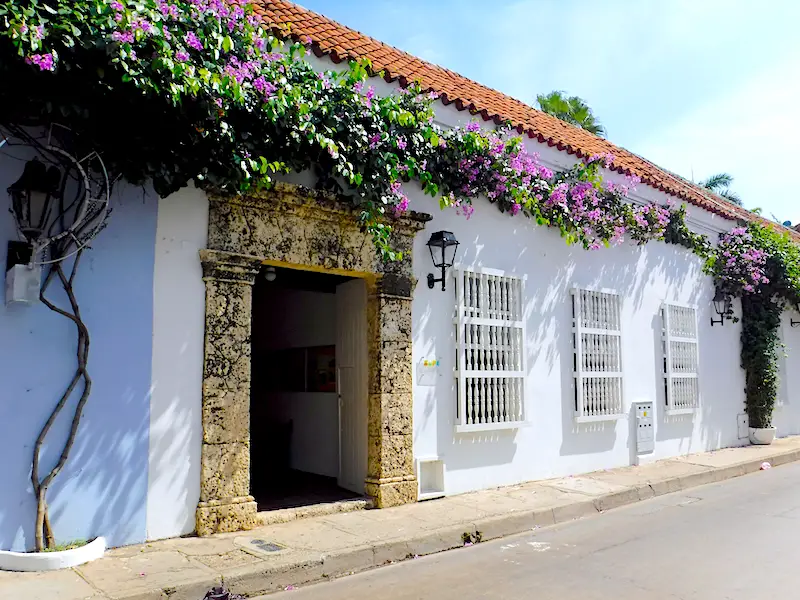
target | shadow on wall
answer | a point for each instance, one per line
(102, 489)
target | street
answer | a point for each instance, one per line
(735, 540)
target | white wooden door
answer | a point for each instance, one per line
(351, 362)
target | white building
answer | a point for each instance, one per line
(342, 391)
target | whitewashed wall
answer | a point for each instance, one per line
(787, 412)
(176, 429)
(551, 445)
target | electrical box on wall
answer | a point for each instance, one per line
(22, 284)
(645, 427)
(428, 371)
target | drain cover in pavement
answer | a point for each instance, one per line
(266, 546)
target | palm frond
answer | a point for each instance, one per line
(717, 182)
(732, 197)
(572, 110)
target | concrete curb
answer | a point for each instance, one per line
(254, 580)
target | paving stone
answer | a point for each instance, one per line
(146, 572)
(336, 544)
(52, 585)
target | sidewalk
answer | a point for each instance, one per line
(273, 557)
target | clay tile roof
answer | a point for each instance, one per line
(341, 43)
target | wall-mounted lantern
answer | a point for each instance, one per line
(723, 308)
(443, 246)
(34, 197)
(57, 197)
(792, 322)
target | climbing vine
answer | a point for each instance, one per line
(176, 90)
(761, 318)
(762, 266)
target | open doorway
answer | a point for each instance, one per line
(308, 398)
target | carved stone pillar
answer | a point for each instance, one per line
(391, 480)
(225, 500)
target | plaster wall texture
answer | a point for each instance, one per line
(178, 324)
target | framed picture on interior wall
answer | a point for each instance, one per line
(321, 369)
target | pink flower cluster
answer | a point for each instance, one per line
(45, 62)
(606, 159)
(577, 202)
(505, 172)
(399, 199)
(739, 263)
(649, 222)
(623, 189)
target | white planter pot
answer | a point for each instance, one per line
(762, 437)
(51, 561)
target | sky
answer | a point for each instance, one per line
(696, 86)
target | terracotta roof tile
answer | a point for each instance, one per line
(342, 43)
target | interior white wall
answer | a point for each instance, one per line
(176, 429)
(303, 319)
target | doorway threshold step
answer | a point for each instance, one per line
(284, 515)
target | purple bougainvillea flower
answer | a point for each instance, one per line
(45, 62)
(124, 37)
(193, 41)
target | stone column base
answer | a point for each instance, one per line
(392, 491)
(221, 516)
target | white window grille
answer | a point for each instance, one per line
(597, 342)
(681, 358)
(490, 342)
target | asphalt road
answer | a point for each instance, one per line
(736, 540)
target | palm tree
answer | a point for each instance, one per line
(570, 109)
(720, 184)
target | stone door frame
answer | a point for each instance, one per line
(291, 226)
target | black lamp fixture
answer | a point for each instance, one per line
(32, 198)
(723, 308)
(792, 322)
(443, 246)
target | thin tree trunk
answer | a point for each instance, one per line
(43, 533)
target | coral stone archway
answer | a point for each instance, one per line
(296, 227)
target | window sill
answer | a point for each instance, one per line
(489, 427)
(673, 412)
(600, 418)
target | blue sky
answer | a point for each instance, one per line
(696, 86)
